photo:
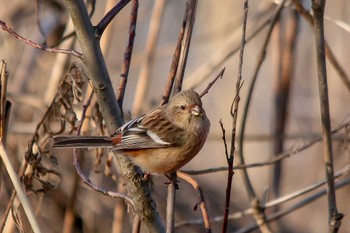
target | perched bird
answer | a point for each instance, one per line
(161, 141)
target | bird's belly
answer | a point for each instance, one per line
(163, 162)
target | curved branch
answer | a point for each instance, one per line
(38, 46)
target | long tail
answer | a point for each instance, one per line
(81, 141)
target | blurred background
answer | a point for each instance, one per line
(288, 75)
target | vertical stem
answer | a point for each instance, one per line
(185, 35)
(334, 218)
(234, 115)
(145, 206)
(170, 204)
(286, 64)
(128, 53)
(148, 60)
(185, 46)
(95, 64)
(19, 190)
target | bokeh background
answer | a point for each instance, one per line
(35, 74)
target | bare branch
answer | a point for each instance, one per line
(329, 53)
(38, 46)
(77, 165)
(107, 19)
(148, 60)
(201, 202)
(19, 190)
(127, 54)
(206, 90)
(275, 158)
(341, 176)
(175, 61)
(262, 54)
(182, 53)
(137, 187)
(294, 207)
(185, 46)
(234, 115)
(334, 218)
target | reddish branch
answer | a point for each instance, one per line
(177, 73)
(128, 53)
(185, 46)
(175, 62)
(234, 115)
(201, 202)
(38, 46)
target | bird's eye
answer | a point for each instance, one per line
(183, 107)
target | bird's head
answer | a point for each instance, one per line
(186, 109)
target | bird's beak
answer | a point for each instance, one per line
(196, 111)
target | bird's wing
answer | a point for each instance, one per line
(147, 131)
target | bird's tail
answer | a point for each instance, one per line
(81, 141)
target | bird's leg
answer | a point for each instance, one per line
(146, 176)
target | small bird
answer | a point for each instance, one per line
(161, 141)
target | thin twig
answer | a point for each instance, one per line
(201, 201)
(206, 90)
(148, 60)
(76, 163)
(5, 105)
(128, 54)
(107, 19)
(341, 174)
(19, 190)
(207, 69)
(334, 218)
(234, 115)
(4, 115)
(185, 46)
(262, 54)
(38, 46)
(180, 60)
(329, 53)
(175, 62)
(223, 137)
(275, 158)
(295, 207)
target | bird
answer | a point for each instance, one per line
(160, 141)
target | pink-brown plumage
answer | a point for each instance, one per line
(161, 141)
